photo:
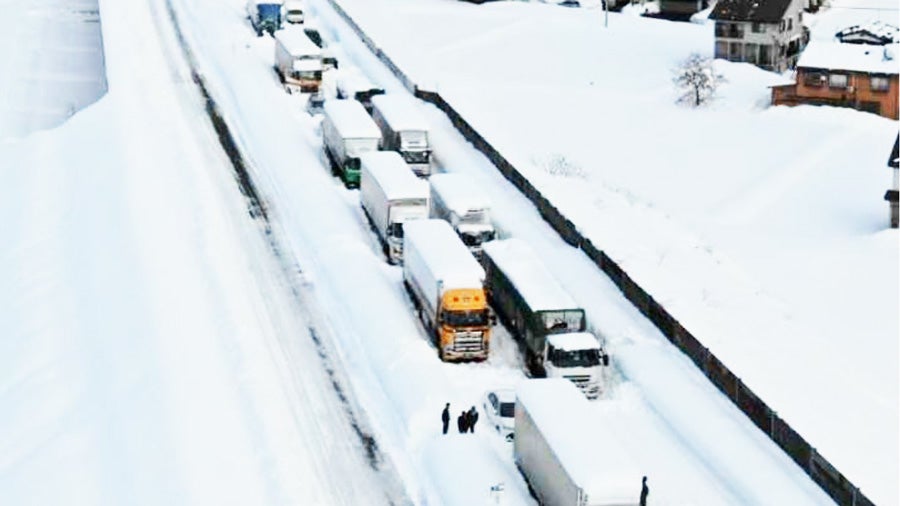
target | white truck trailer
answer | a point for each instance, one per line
(391, 195)
(458, 200)
(348, 132)
(447, 287)
(542, 316)
(298, 61)
(404, 129)
(564, 451)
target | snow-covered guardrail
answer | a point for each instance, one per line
(817, 467)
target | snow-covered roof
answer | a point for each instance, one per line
(307, 64)
(873, 32)
(590, 453)
(573, 341)
(541, 291)
(352, 82)
(393, 175)
(459, 193)
(351, 120)
(850, 57)
(400, 111)
(296, 42)
(444, 253)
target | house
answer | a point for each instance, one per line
(858, 76)
(876, 33)
(891, 195)
(766, 33)
(681, 9)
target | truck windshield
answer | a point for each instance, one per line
(466, 318)
(508, 409)
(416, 156)
(396, 230)
(576, 358)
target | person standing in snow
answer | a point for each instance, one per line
(462, 423)
(445, 417)
(473, 419)
(644, 491)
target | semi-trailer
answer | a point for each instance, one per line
(391, 195)
(348, 132)
(403, 129)
(456, 199)
(565, 451)
(543, 318)
(446, 284)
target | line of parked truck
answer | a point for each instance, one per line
(459, 275)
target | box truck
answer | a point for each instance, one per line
(446, 286)
(391, 195)
(403, 129)
(265, 15)
(456, 199)
(564, 451)
(347, 132)
(543, 318)
(298, 61)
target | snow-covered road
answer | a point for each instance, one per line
(152, 351)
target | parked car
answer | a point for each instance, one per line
(499, 407)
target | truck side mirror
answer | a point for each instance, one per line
(493, 319)
(605, 360)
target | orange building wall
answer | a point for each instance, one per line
(859, 83)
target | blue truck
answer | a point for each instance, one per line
(265, 15)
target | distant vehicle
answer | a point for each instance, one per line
(355, 86)
(298, 61)
(499, 407)
(458, 200)
(403, 129)
(293, 11)
(564, 451)
(265, 15)
(542, 316)
(447, 287)
(391, 195)
(570, 3)
(348, 132)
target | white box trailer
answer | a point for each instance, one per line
(404, 129)
(391, 195)
(565, 453)
(458, 200)
(348, 132)
(298, 61)
(542, 316)
(447, 287)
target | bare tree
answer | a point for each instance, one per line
(696, 80)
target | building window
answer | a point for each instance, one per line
(837, 81)
(757, 28)
(765, 55)
(790, 24)
(722, 49)
(734, 53)
(815, 79)
(781, 27)
(879, 83)
(750, 52)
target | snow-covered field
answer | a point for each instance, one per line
(157, 351)
(763, 230)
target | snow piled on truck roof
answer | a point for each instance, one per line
(589, 451)
(351, 120)
(400, 111)
(573, 341)
(539, 288)
(459, 192)
(296, 42)
(394, 177)
(444, 253)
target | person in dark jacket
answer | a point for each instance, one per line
(644, 491)
(445, 417)
(462, 422)
(473, 419)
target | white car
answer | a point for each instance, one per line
(499, 407)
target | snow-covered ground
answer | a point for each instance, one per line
(152, 351)
(763, 230)
(160, 354)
